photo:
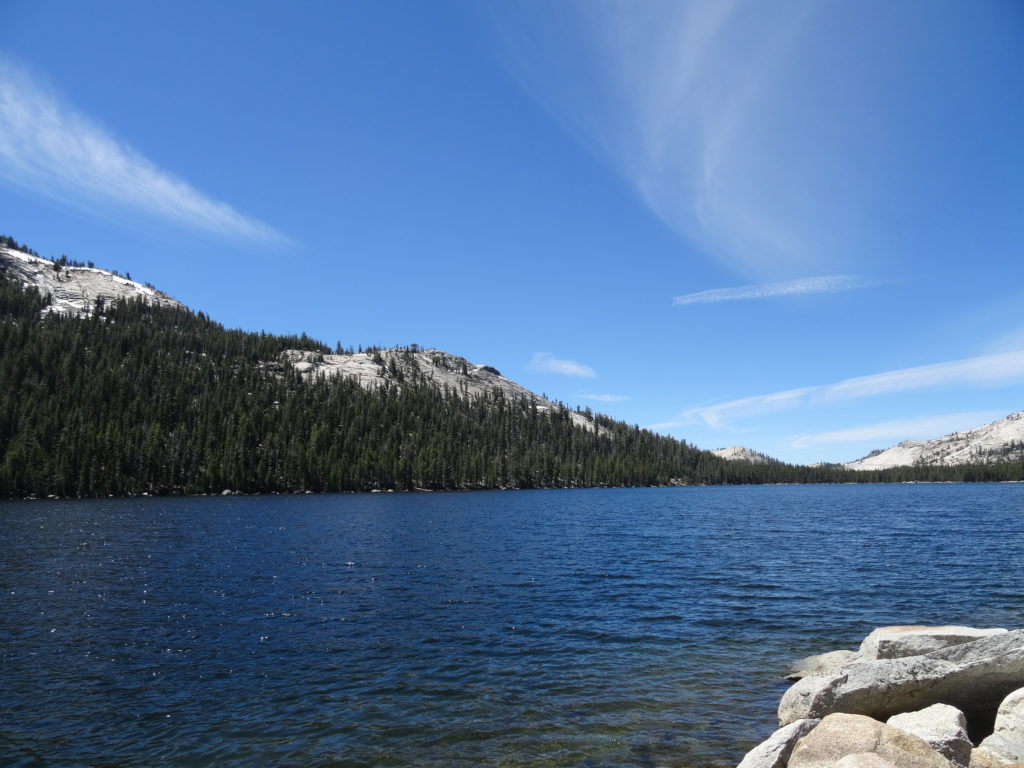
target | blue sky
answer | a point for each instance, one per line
(796, 226)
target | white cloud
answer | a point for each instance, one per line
(986, 369)
(693, 104)
(546, 363)
(901, 429)
(605, 398)
(668, 425)
(1008, 341)
(50, 149)
(828, 284)
(748, 128)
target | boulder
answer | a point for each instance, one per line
(983, 758)
(1007, 741)
(864, 760)
(823, 662)
(943, 727)
(774, 751)
(840, 735)
(916, 640)
(974, 677)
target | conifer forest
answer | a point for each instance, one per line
(137, 399)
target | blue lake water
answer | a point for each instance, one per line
(643, 627)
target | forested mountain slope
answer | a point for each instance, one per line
(143, 397)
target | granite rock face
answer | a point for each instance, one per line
(991, 443)
(864, 760)
(914, 640)
(1007, 741)
(840, 735)
(76, 290)
(958, 685)
(823, 662)
(774, 751)
(983, 758)
(974, 677)
(943, 727)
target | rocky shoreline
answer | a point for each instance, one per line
(909, 697)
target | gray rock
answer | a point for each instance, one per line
(823, 662)
(898, 642)
(943, 727)
(1007, 740)
(840, 735)
(774, 751)
(974, 677)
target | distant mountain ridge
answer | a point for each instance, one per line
(1000, 441)
(996, 443)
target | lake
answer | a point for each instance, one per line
(618, 627)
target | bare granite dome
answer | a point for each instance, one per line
(1001, 440)
(741, 453)
(443, 369)
(75, 290)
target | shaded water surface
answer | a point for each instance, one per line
(537, 628)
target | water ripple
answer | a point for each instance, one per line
(566, 628)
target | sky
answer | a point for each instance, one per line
(796, 226)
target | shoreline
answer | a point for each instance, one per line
(228, 493)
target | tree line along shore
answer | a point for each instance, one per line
(136, 398)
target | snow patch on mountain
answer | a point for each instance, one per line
(741, 453)
(1002, 440)
(443, 369)
(75, 290)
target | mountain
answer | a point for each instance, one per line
(741, 453)
(441, 369)
(74, 288)
(999, 442)
(111, 387)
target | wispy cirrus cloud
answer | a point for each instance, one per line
(49, 148)
(994, 369)
(544, 362)
(669, 424)
(827, 284)
(744, 127)
(605, 398)
(692, 103)
(900, 429)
